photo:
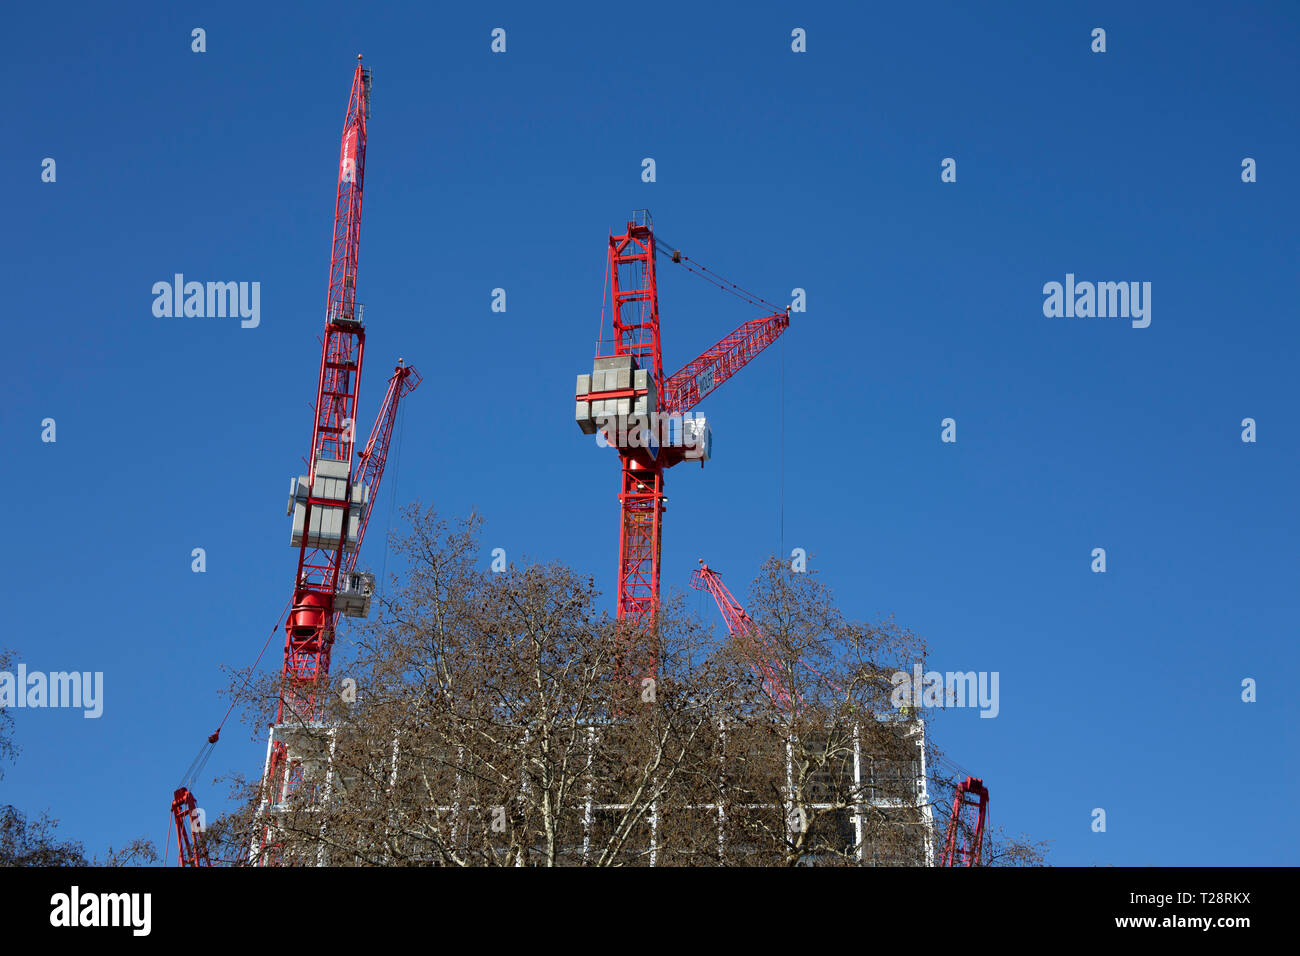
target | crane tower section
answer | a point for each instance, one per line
(326, 504)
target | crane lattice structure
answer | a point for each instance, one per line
(965, 841)
(649, 419)
(330, 506)
(758, 653)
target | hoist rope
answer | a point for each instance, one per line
(604, 292)
(781, 453)
(205, 752)
(726, 285)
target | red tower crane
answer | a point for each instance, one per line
(964, 842)
(760, 656)
(331, 504)
(190, 842)
(759, 652)
(323, 528)
(649, 419)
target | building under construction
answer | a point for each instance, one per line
(854, 795)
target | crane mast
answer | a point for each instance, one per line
(326, 526)
(635, 319)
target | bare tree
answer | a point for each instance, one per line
(1002, 849)
(495, 719)
(821, 772)
(8, 749)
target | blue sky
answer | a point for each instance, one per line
(818, 170)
